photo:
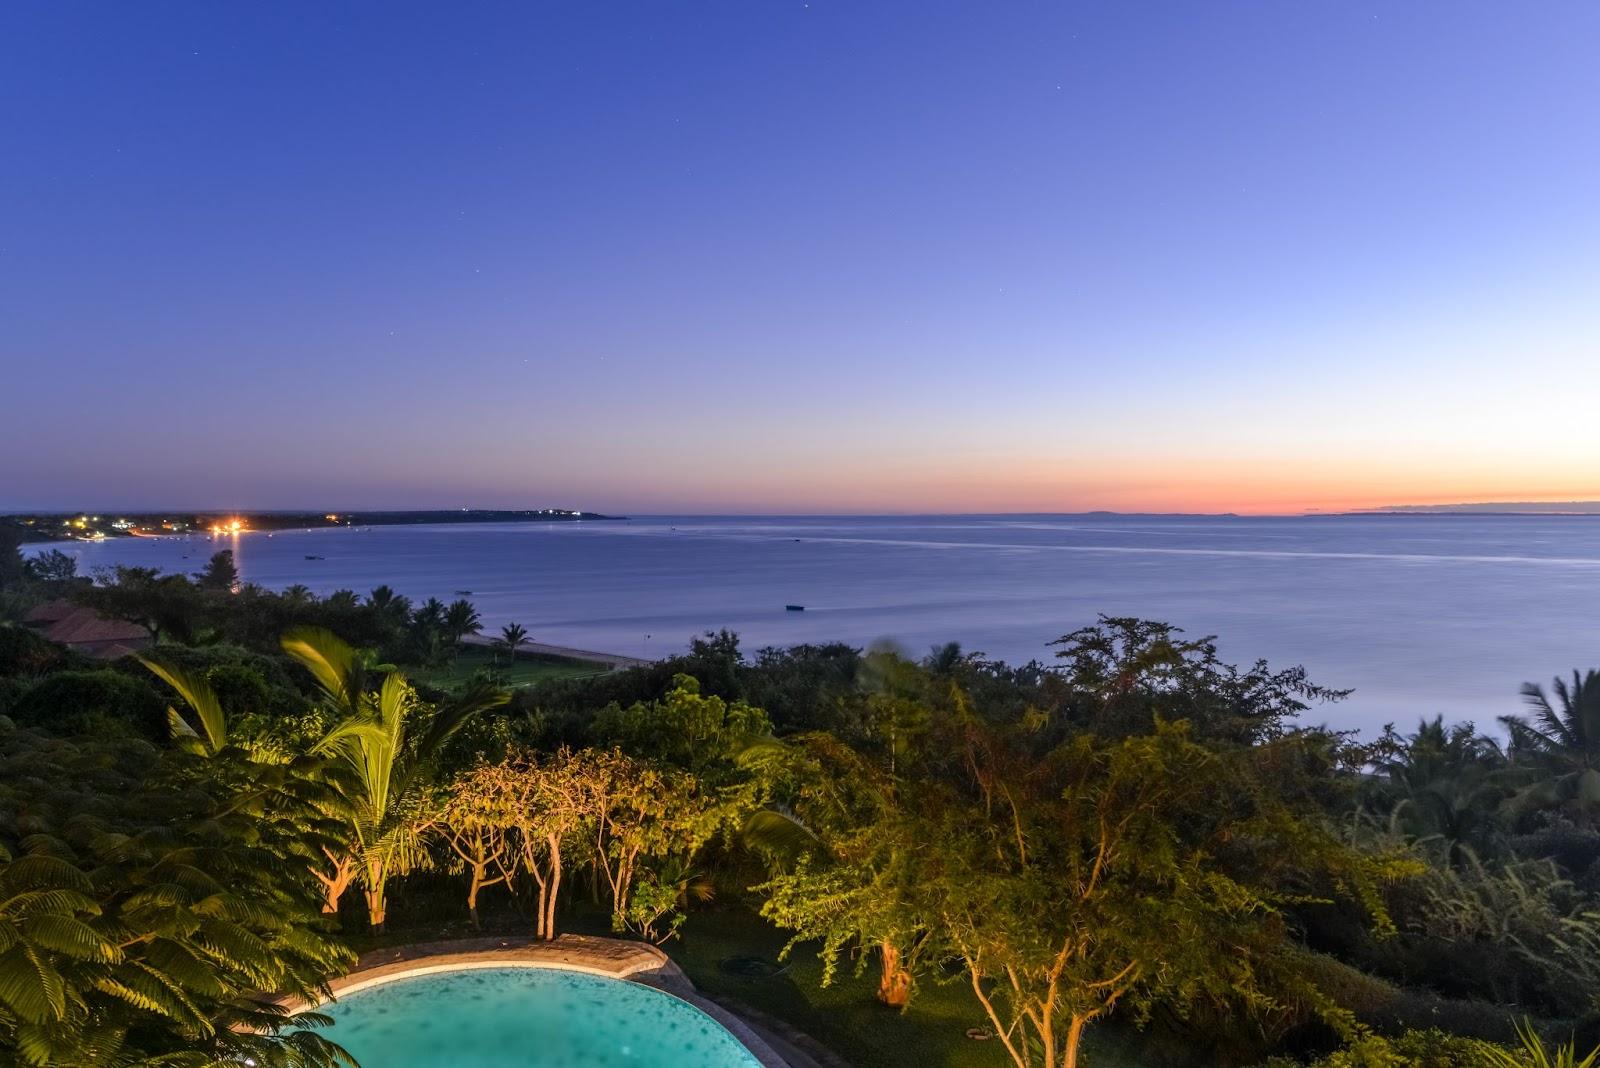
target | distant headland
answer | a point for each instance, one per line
(1488, 508)
(88, 526)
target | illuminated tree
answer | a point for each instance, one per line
(389, 742)
(1148, 870)
(844, 856)
(470, 817)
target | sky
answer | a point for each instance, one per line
(824, 256)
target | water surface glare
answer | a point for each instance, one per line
(1421, 615)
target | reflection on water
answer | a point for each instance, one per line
(1422, 615)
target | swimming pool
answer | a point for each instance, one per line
(527, 1018)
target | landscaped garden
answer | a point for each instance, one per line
(524, 669)
(1132, 854)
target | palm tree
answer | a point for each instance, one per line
(342, 600)
(389, 742)
(427, 630)
(212, 736)
(511, 636)
(1561, 741)
(1444, 786)
(391, 609)
(944, 659)
(430, 615)
(1570, 734)
(460, 620)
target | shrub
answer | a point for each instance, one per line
(1412, 1049)
(90, 702)
(22, 652)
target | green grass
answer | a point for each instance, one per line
(848, 1019)
(525, 670)
(845, 1016)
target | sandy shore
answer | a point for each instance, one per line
(611, 661)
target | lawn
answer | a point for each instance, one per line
(848, 1019)
(525, 670)
(845, 1017)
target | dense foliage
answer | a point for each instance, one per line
(1134, 832)
(148, 902)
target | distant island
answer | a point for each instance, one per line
(85, 526)
(1487, 508)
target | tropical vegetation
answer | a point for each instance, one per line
(1133, 837)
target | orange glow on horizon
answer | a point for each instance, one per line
(1231, 484)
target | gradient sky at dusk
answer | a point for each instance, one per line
(788, 256)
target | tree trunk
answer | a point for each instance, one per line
(894, 984)
(549, 917)
(377, 905)
(544, 897)
(1069, 1057)
(334, 886)
(472, 897)
(377, 909)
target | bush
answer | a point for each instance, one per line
(22, 652)
(246, 682)
(10, 690)
(1413, 1049)
(91, 702)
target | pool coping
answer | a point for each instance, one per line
(612, 958)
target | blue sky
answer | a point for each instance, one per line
(755, 256)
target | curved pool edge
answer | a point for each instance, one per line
(611, 958)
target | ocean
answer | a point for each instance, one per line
(1420, 615)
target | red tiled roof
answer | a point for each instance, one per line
(49, 612)
(85, 627)
(114, 651)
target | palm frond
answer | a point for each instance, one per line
(198, 694)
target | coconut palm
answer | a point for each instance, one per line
(429, 615)
(1560, 741)
(342, 601)
(1444, 786)
(391, 609)
(460, 620)
(428, 631)
(1568, 735)
(1437, 752)
(511, 636)
(944, 659)
(389, 741)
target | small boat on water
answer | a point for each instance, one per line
(463, 593)
(794, 608)
(310, 557)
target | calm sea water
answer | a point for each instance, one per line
(1421, 615)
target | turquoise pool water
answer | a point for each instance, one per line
(527, 1018)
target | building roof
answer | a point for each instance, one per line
(87, 631)
(49, 612)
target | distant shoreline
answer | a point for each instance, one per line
(44, 528)
(83, 526)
